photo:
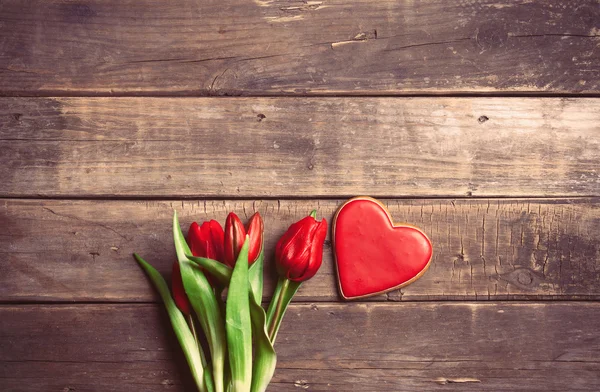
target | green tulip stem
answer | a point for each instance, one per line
(190, 323)
(278, 308)
(219, 295)
(273, 304)
(285, 291)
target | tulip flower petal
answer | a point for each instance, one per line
(235, 233)
(205, 305)
(179, 296)
(299, 252)
(255, 230)
(238, 324)
(190, 349)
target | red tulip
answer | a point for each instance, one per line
(299, 252)
(235, 234)
(181, 299)
(206, 240)
(256, 229)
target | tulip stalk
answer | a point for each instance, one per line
(276, 313)
(190, 322)
(284, 292)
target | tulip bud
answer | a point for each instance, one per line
(299, 252)
(206, 240)
(179, 295)
(235, 234)
(256, 229)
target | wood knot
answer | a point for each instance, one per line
(523, 278)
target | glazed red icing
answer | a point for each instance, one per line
(372, 254)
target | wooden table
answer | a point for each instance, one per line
(477, 120)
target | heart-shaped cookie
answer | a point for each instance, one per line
(373, 255)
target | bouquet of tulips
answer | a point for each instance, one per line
(239, 333)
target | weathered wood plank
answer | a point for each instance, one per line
(483, 249)
(298, 47)
(375, 347)
(265, 147)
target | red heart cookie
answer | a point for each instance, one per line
(373, 255)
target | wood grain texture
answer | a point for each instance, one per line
(483, 249)
(194, 47)
(308, 147)
(376, 347)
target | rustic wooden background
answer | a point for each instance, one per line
(477, 120)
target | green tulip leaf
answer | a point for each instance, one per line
(208, 378)
(238, 324)
(265, 358)
(185, 337)
(219, 270)
(255, 276)
(204, 302)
